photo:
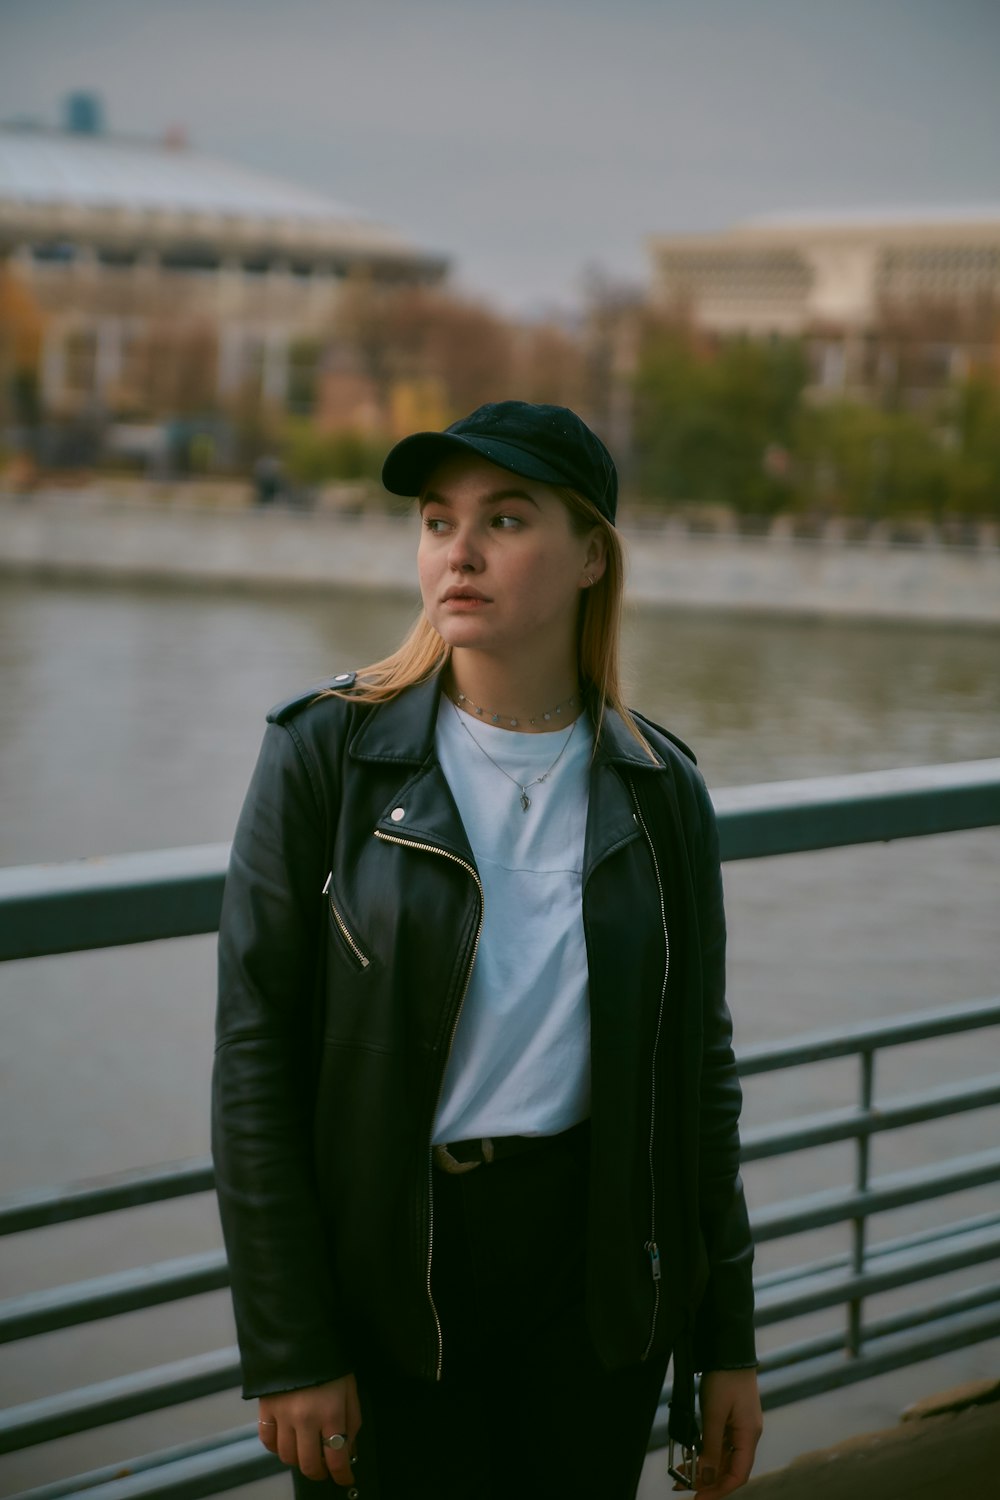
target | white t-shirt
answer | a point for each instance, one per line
(520, 1060)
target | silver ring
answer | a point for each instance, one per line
(263, 1423)
(336, 1441)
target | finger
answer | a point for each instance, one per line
(737, 1461)
(710, 1458)
(309, 1453)
(267, 1431)
(724, 1486)
(338, 1460)
(286, 1449)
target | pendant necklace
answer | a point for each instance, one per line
(522, 786)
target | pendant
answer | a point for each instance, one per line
(525, 800)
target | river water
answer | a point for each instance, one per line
(129, 720)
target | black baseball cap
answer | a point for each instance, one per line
(547, 443)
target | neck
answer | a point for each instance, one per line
(532, 691)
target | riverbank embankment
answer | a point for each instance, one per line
(947, 1445)
(87, 536)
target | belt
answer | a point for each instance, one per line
(455, 1157)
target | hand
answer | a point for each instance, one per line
(294, 1423)
(732, 1423)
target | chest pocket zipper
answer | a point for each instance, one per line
(355, 951)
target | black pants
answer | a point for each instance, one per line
(524, 1408)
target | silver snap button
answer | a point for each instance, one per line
(342, 676)
(397, 815)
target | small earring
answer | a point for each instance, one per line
(589, 579)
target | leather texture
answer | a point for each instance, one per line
(335, 1013)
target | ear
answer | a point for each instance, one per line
(596, 556)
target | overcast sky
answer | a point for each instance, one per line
(531, 139)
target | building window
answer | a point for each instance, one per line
(189, 258)
(80, 367)
(59, 252)
(111, 256)
(303, 376)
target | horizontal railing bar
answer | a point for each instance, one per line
(168, 893)
(236, 1457)
(915, 1317)
(108, 902)
(852, 1124)
(960, 1335)
(788, 817)
(40, 1207)
(226, 1466)
(237, 1463)
(114, 1400)
(819, 1210)
(207, 1473)
(825, 1046)
(106, 1296)
(869, 1283)
(834, 1373)
(880, 1250)
(79, 1484)
(167, 1281)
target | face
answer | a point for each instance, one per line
(501, 568)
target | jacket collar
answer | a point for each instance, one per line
(402, 731)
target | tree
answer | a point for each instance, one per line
(975, 468)
(416, 333)
(712, 417)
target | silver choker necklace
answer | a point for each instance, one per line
(522, 786)
(497, 718)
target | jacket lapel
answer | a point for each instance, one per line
(401, 732)
(422, 808)
(611, 820)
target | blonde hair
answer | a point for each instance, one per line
(422, 653)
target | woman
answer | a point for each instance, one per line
(475, 1115)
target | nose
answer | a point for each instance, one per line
(464, 555)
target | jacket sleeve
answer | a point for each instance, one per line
(724, 1333)
(270, 936)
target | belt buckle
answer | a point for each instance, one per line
(685, 1472)
(451, 1164)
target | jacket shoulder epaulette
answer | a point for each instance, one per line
(282, 712)
(673, 738)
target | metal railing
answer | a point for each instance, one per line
(175, 893)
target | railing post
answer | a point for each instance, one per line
(855, 1308)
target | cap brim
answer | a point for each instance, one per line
(410, 464)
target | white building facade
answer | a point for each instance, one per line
(840, 281)
(127, 246)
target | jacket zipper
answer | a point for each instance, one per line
(345, 933)
(391, 838)
(651, 1247)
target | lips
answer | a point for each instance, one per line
(460, 595)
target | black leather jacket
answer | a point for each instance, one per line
(350, 919)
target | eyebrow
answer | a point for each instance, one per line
(431, 497)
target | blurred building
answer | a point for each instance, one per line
(141, 277)
(866, 291)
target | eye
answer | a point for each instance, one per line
(505, 522)
(434, 524)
